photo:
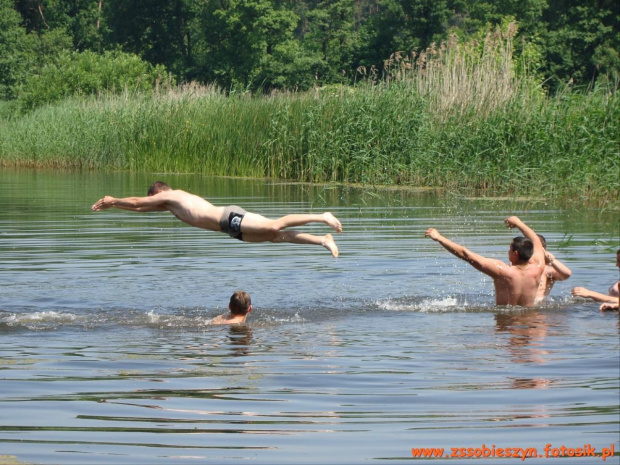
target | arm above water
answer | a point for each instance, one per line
(560, 271)
(137, 204)
(538, 257)
(596, 296)
(493, 268)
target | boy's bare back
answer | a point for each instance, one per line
(518, 284)
(191, 209)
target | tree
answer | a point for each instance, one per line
(331, 35)
(238, 38)
(22, 53)
(81, 19)
(156, 30)
(583, 40)
(402, 26)
(12, 65)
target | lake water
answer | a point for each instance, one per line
(106, 354)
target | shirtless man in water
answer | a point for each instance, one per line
(232, 220)
(517, 283)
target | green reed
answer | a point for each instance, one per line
(460, 117)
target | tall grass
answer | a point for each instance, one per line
(460, 116)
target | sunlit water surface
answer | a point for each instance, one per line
(107, 355)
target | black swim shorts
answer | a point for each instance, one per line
(230, 223)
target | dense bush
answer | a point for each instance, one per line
(85, 73)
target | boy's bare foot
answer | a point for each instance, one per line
(329, 244)
(332, 222)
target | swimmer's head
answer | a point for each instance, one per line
(240, 303)
(618, 258)
(157, 187)
(524, 249)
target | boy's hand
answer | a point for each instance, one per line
(512, 222)
(432, 233)
(580, 292)
(103, 203)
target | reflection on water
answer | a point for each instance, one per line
(528, 331)
(107, 354)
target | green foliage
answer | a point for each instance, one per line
(157, 30)
(239, 38)
(580, 40)
(402, 26)
(43, 49)
(81, 19)
(332, 37)
(11, 58)
(289, 66)
(251, 45)
(73, 73)
(511, 143)
(583, 41)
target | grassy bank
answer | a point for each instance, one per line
(458, 119)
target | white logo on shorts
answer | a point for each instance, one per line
(235, 223)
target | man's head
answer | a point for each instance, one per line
(240, 303)
(157, 187)
(618, 258)
(521, 250)
(543, 241)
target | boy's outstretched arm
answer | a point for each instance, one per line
(596, 296)
(136, 204)
(483, 264)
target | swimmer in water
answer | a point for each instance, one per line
(516, 283)
(240, 306)
(612, 294)
(555, 270)
(232, 220)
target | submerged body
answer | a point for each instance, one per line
(240, 306)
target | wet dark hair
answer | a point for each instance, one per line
(240, 303)
(524, 248)
(542, 240)
(158, 186)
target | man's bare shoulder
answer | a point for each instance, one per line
(496, 268)
(180, 196)
(228, 319)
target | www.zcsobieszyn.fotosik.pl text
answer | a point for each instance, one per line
(492, 451)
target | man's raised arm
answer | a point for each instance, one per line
(486, 265)
(560, 271)
(539, 252)
(136, 204)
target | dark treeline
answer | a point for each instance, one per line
(260, 45)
